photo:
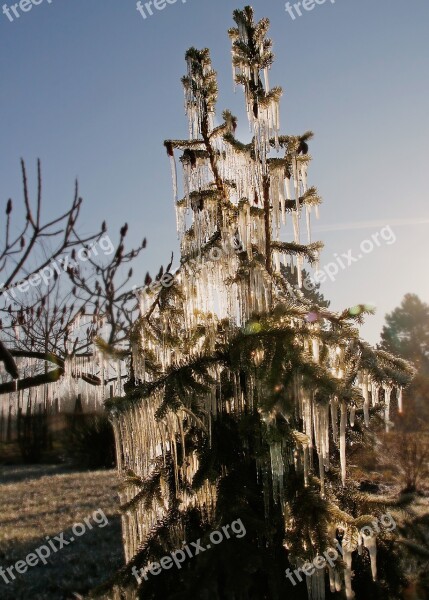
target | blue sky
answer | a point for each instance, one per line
(93, 89)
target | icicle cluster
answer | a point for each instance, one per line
(262, 105)
(225, 279)
(138, 427)
(58, 396)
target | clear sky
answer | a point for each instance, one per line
(93, 89)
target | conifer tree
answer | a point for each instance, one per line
(406, 333)
(246, 390)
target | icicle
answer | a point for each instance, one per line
(288, 192)
(307, 416)
(266, 80)
(277, 470)
(387, 395)
(277, 261)
(374, 393)
(348, 575)
(303, 175)
(283, 209)
(174, 176)
(234, 72)
(343, 423)
(295, 222)
(352, 415)
(331, 579)
(370, 542)
(316, 350)
(299, 267)
(339, 362)
(307, 217)
(321, 475)
(365, 398)
(119, 378)
(349, 545)
(316, 585)
(334, 419)
(400, 401)
(306, 465)
(296, 182)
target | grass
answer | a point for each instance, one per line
(39, 501)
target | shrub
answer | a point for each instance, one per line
(90, 442)
(33, 437)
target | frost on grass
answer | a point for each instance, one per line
(42, 501)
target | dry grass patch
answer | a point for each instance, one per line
(39, 501)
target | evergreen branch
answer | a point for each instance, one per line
(310, 251)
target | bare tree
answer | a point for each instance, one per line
(408, 453)
(85, 293)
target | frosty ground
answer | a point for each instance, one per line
(38, 501)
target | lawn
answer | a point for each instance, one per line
(41, 501)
